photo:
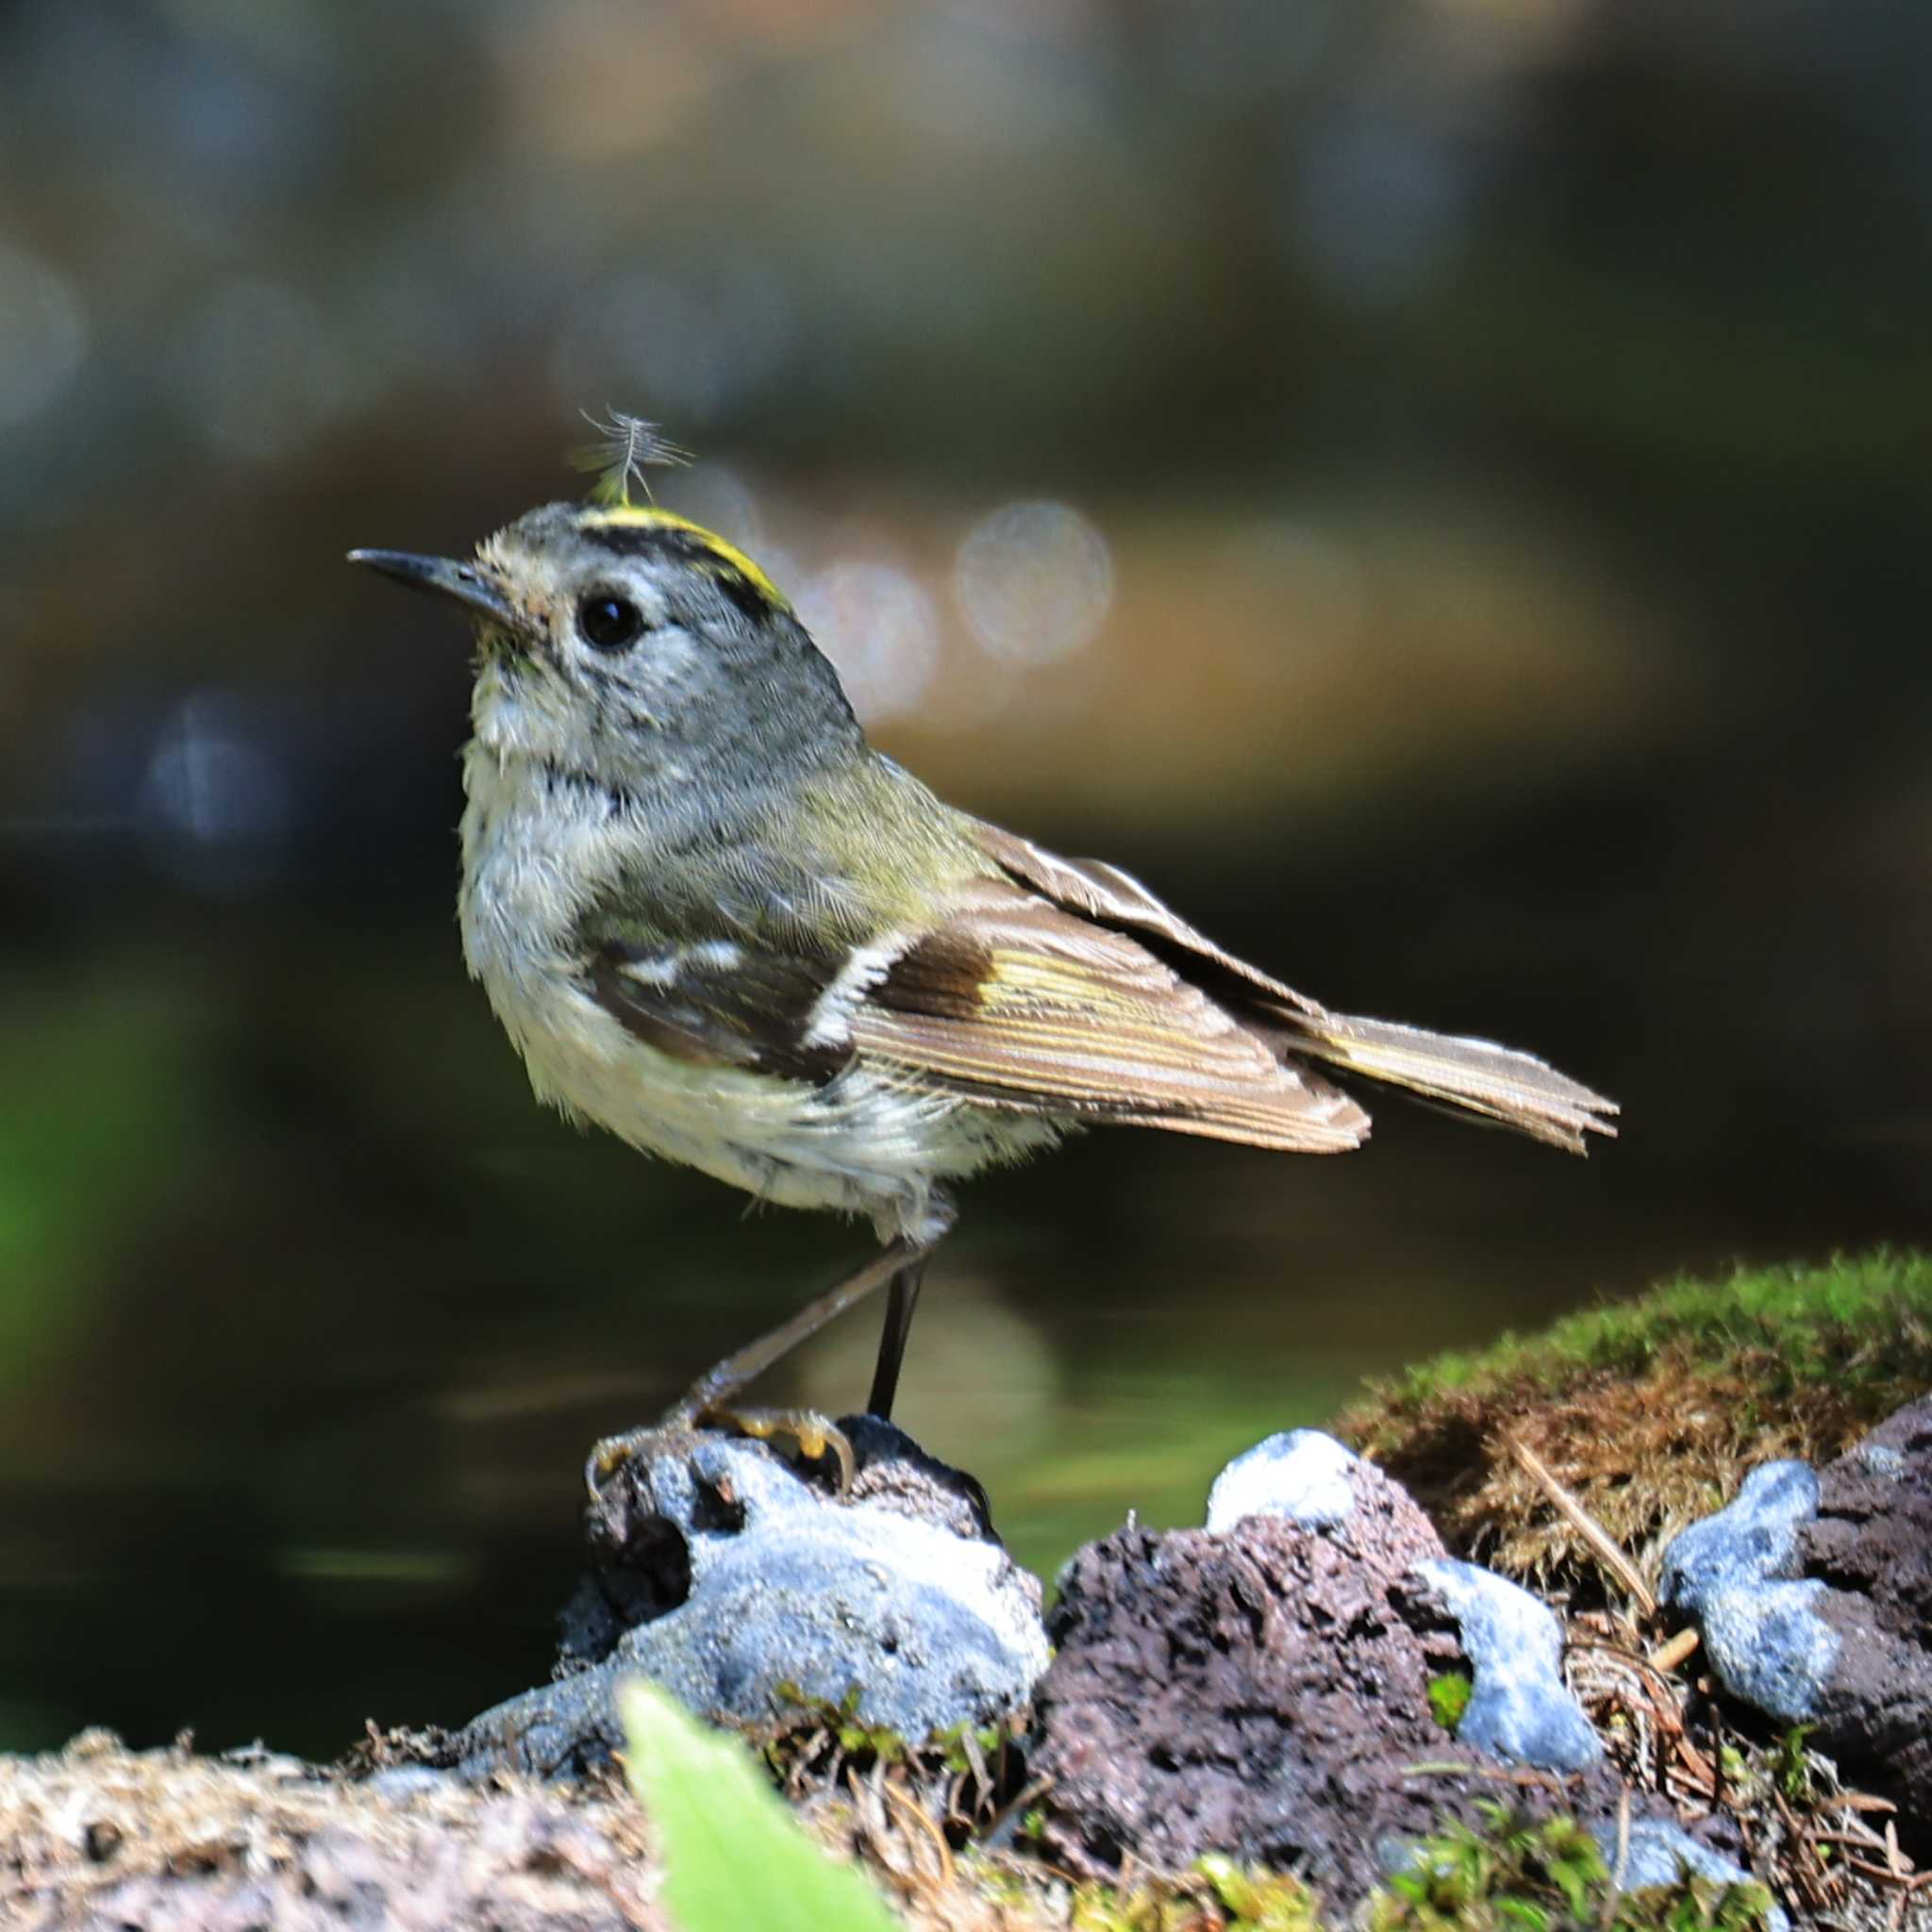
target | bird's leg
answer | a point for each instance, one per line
(718, 1384)
(899, 1306)
(708, 1399)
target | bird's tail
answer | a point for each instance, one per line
(1470, 1075)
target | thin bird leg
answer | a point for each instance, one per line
(900, 1306)
(718, 1385)
(708, 1399)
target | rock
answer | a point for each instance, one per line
(1870, 1550)
(1301, 1474)
(1262, 1690)
(1813, 1594)
(1750, 1539)
(1520, 1709)
(734, 1581)
(1731, 1572)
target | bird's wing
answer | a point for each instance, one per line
(1006, 1000)
(1016, 1003)
(720, 1004)
(1475, 1076)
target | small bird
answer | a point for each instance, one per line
(716, 922)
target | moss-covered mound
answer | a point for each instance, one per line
(1650, 1411)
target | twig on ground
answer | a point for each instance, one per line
(1667, 1656)
(1604, 1545)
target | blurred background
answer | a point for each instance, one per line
(1437, 487)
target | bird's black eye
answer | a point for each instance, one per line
(608, 622)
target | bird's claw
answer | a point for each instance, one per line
(812, 1435)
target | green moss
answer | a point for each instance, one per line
(816, 1720)
(1793, 1766)
(1217, 1895)
(1651, 1410)
(1449, 1696)
(1264, 1901)
(1519, 1873)
(1819, 1323)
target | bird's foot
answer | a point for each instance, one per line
(609, 1453)
(812, 1436)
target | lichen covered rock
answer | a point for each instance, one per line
(1813, 1594)
(725, 1574)
(1734, 1573)
(1520, 1709)
(1302, 1475)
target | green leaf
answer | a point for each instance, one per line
(734, 1857)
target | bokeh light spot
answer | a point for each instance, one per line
(1035, 580)
(214, 809)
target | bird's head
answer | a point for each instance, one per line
(633, 645)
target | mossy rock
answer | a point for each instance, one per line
(1650, 1411)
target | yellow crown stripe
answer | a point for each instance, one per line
(627, 517)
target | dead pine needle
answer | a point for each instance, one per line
(1579, 1518)
(917, 1815)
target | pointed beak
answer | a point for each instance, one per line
(466, 582)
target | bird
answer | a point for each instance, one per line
(716, 922)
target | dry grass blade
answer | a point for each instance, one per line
(1699, 1766)
(1602, 1546)
(1905, 1883)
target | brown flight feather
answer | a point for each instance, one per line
(1017, 1003)
(1476, 1075)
